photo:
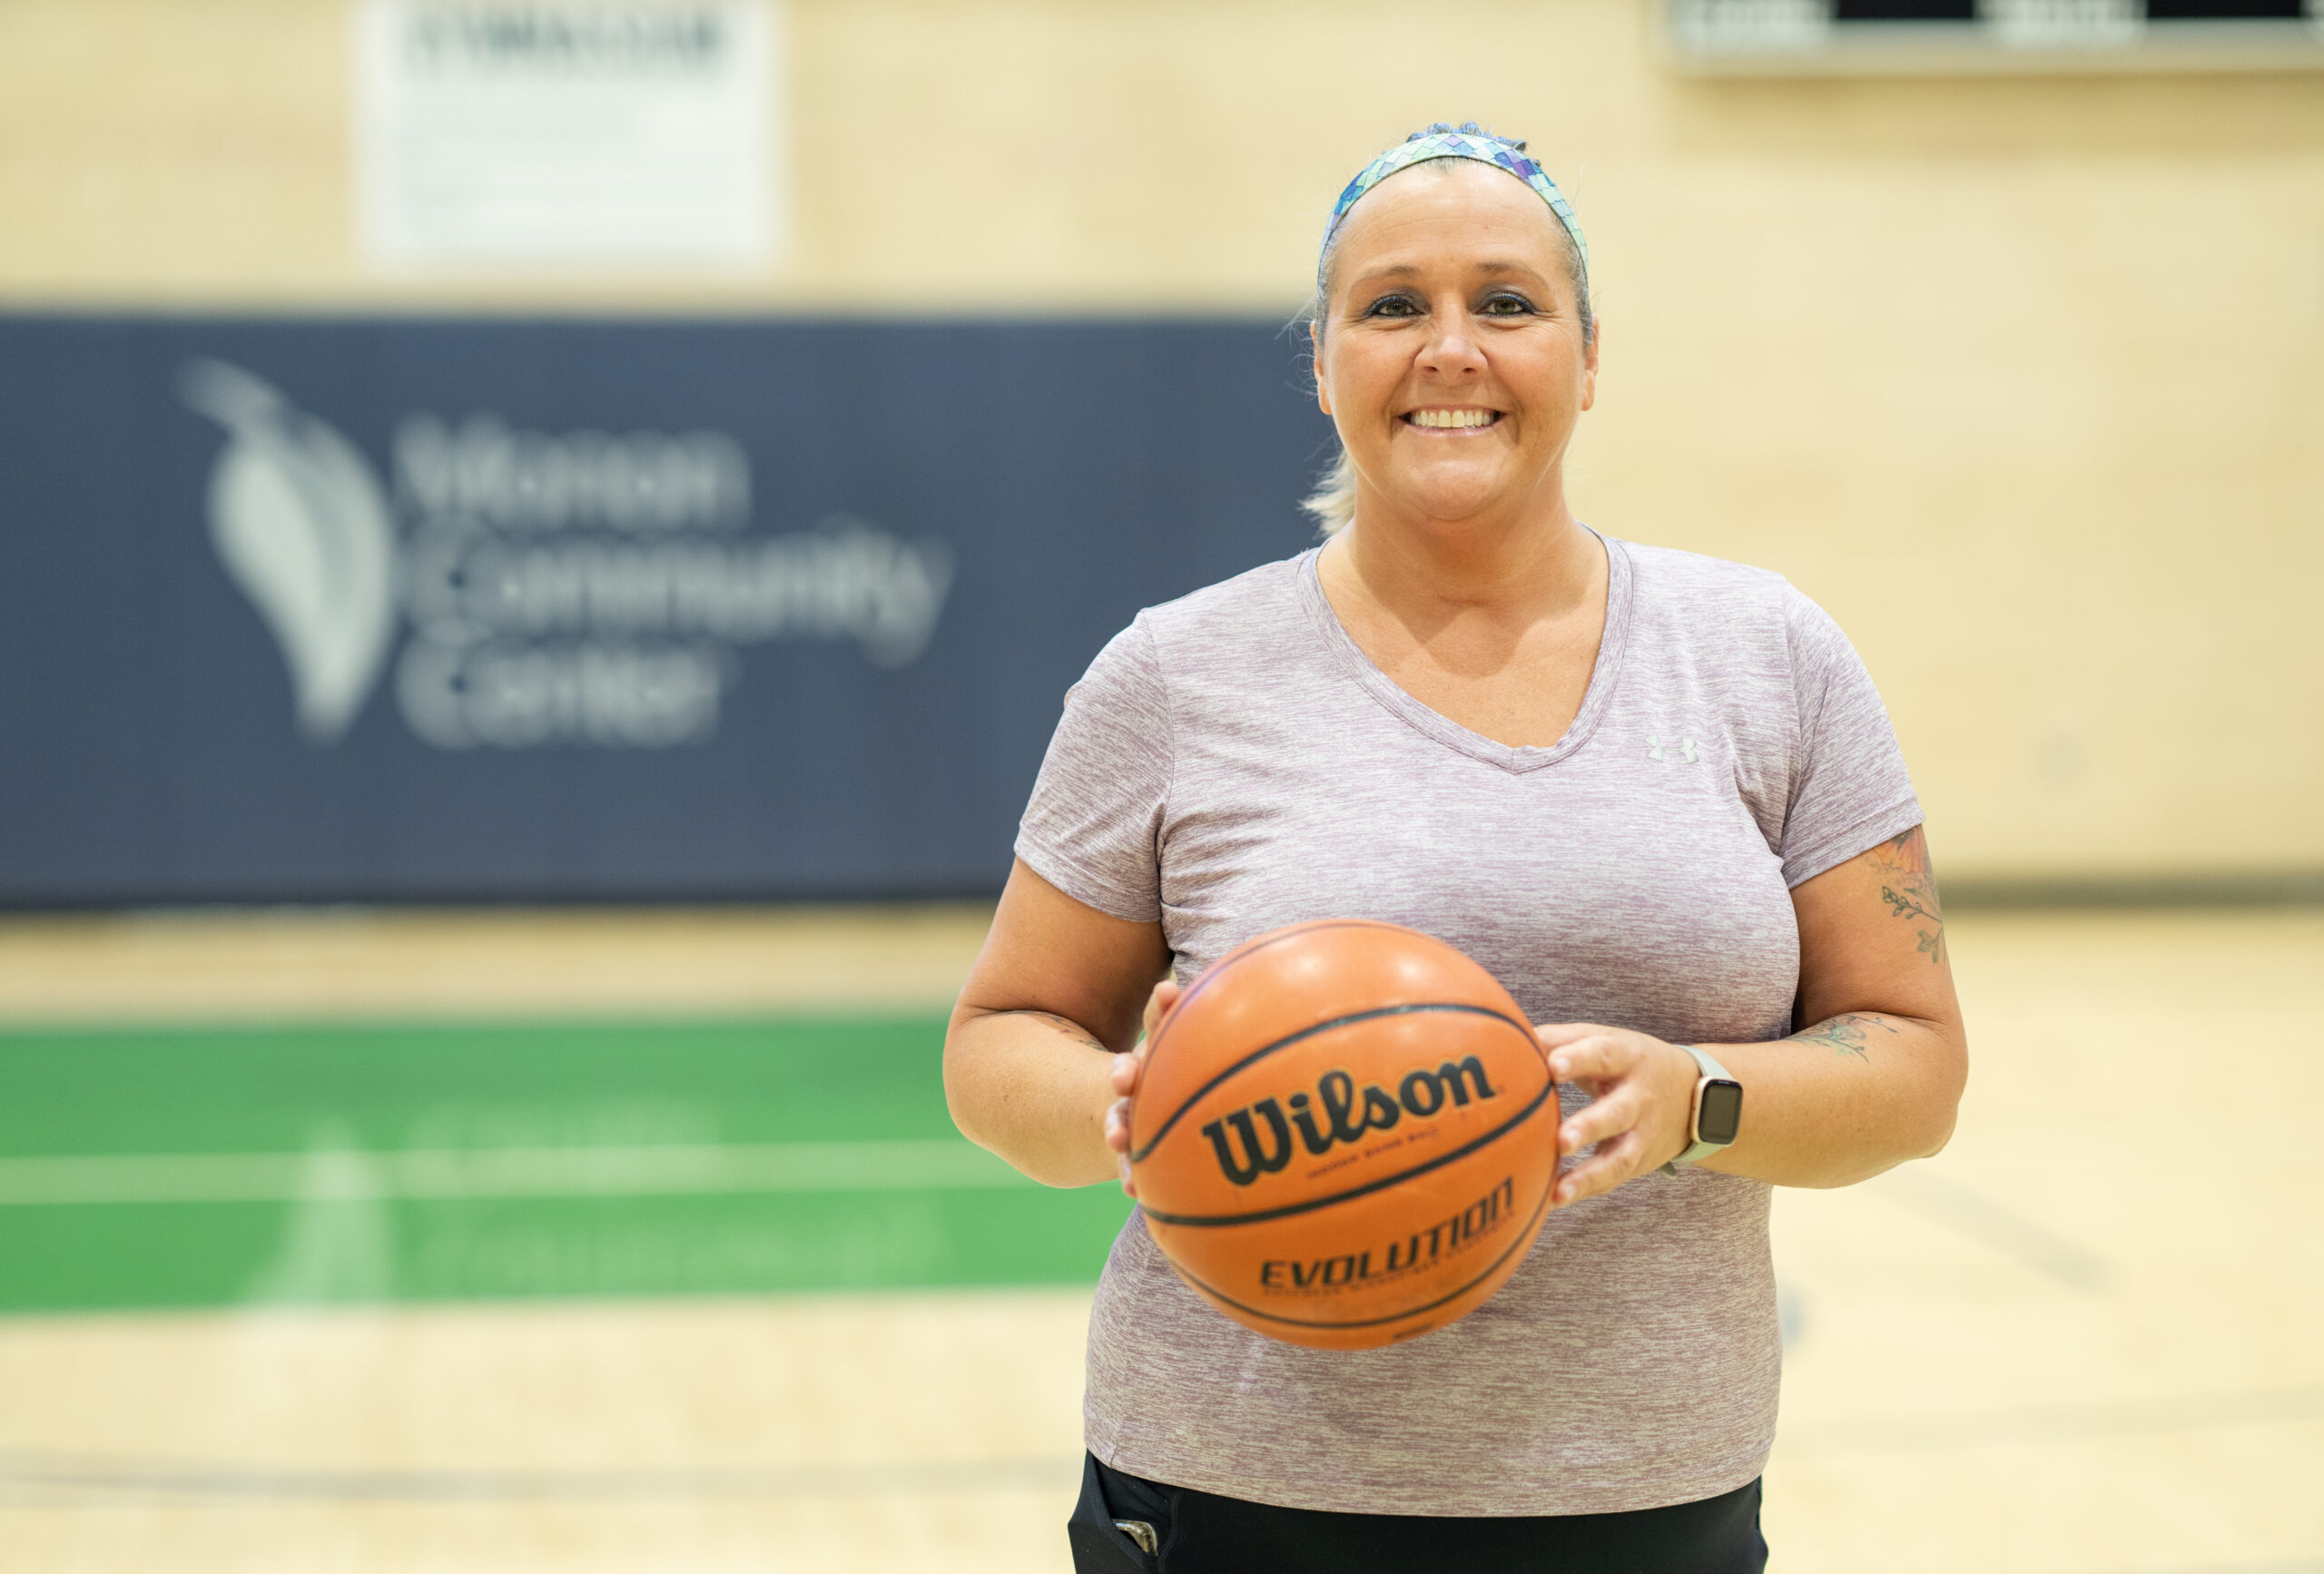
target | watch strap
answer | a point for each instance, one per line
(1711, 1068)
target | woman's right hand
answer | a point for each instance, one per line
(1127, 1069)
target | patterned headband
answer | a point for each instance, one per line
(1467, 141)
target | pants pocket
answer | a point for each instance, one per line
(1099, 1546)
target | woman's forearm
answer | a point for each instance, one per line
(1843, 1100)
(1034, 1087)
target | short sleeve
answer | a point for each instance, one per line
(1849, 788)
(1094, 825)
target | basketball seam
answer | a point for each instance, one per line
(1215, 1220)
(1526, 1239)
(1261, 1053)
(1251, 947)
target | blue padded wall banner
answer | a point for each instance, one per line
(313, 610)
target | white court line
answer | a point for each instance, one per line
(321, 1175)
(63, 1475)
(1980, 1429)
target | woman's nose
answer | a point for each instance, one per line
(1452, 350)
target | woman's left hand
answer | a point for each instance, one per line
(1128, 1068)
(1641, 1103)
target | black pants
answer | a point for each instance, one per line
(1203, 1533)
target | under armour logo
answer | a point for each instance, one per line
(1686, 750)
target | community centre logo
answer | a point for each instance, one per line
(549, 587)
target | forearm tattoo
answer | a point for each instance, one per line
(1909, 886)
(1067, 1026)
(1848, 1034)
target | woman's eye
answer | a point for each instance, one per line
(1394, 306)
(1508, 306)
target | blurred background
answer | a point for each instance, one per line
(540, 546)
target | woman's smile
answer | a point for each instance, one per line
(1457, 419)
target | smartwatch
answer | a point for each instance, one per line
(1718, 1111)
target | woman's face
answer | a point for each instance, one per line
(1451, 356)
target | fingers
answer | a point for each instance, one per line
(1613, 1163)
(1637, 1115)
(1557, 1035)
(1127, 1069)
(1591, 1052)
(1610, 1124)
(1117, 1114)
(1602, 1120)
(1157, 1004)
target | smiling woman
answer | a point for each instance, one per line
(1654, 794)
(1334, 502)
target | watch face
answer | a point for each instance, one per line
(1720, 1112)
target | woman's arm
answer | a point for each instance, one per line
(1054, 996)
(1873, 1081)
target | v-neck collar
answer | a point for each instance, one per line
(1434, 725)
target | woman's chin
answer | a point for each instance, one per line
(1449, 500)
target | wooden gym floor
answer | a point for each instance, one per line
(2083, 1340)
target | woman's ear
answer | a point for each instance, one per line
(1589, 363)
(1315, 358)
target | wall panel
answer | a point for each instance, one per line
(2015, 376)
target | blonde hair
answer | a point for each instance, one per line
(1332, 502)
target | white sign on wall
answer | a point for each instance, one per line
(531, 588)
(567, 133)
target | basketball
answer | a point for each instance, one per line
(1343, 1135)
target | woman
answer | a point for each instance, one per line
(1655, 794)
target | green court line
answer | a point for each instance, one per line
(273, 1090)
(218, 1167)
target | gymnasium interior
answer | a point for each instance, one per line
(541, 543)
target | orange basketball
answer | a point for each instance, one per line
(1346, 1135)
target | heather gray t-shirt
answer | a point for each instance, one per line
(1232, 763)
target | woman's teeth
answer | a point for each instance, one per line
(1453, 418)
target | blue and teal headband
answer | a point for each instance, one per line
(1467, 141)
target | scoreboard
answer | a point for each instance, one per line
(1781, 37)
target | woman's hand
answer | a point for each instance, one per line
(1641, 1103)
(1127, 1068)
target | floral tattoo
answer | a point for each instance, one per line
(1847, 1035)
(1908, 885)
